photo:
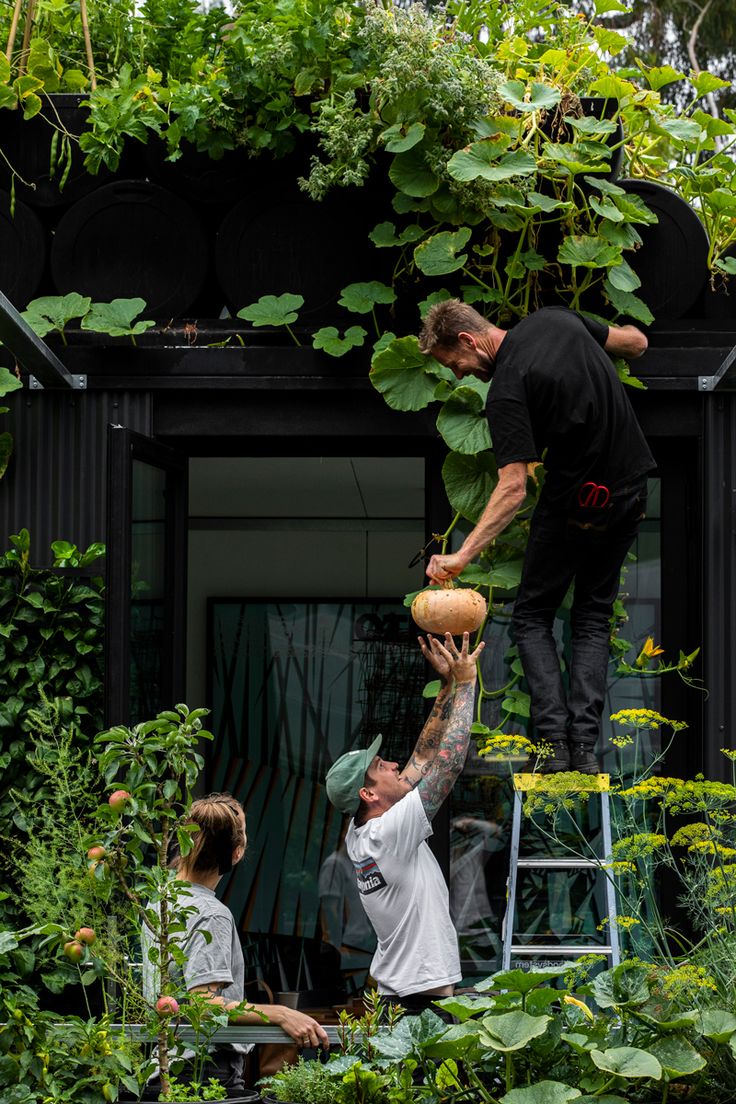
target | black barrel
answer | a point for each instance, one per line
(22, 251)
(272, 244)
(672, 261)
(132, 238)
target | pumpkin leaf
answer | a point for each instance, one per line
(677, 1056)
(9, 382)
(399, 140)
(52, 312)
(437, 256)
(273, 310)
(544, 1092)
(328, 339)
(482, 160)
(586, 251)
(626, 303)
(626, 1061)
(410, 174)
(462, 422)
(116, 318)
(469, 481)
(362, 298)
(717, 1024)
(541, 97)
(511, 1030)
(404, 376)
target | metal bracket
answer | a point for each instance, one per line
(707, 383)
(79, 383)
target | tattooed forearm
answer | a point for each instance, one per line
(451, 754)
(429, 738)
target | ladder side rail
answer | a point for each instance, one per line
(508, 921)
(608, 874)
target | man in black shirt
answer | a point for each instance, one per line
(555, 397)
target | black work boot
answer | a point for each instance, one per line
(582, 758)
(558, 760)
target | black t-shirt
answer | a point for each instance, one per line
(555, 388)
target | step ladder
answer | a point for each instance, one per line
(523, 783)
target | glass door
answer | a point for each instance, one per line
(146, 593)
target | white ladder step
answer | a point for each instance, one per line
(561, 864)
(561, 952)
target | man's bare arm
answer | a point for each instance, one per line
(626, 341)
(302, 1028)
(505, 502)
(452, 752)
(421, 759)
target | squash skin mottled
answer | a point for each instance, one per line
(453, 610)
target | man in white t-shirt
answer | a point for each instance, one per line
(399, 880)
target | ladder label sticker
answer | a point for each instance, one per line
(370, 879)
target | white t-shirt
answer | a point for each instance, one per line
(406, 900)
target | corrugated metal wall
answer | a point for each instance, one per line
(55, 485)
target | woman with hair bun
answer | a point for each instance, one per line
(214, 966)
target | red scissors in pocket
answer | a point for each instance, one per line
(594, 496)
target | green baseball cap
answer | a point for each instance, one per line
(345, 776)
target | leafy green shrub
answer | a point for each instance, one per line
(51, 644)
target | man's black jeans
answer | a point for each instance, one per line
(588, 546)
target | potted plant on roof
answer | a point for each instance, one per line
(151, 770)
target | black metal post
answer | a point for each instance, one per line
(719, 580)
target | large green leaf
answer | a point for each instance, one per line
(404, 376)
(522, 981)
(544, 1092)
(463, 1007)
(586, 251)
(607, 1098)
(511, 1030)
(273, 310)
(399, 140)
(52, 312)
(328, 338)
(116, 318)
(626, 303)
(483, 160)
(717, 1024)
(410, 1034)
(457, 1040)
(362, 298)
(469, 481)
(410, 174)
(438, 255)
(9, 382)
(541, 97)
(624, 985)
(462, 422)
(623, 277)
(627, 1062)
(677, 1056)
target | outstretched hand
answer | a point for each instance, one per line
(461, 662)
(434, 657)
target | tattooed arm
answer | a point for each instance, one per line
(453, 748)
(422, 757)
(302, 1028)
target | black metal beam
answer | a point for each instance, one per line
(29, 350)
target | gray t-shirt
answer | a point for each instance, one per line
(217, 961)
